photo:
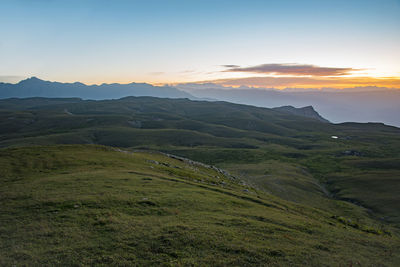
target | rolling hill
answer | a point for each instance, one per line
(337, 197)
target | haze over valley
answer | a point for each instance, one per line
(362, 104)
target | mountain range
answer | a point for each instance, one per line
(361, 104)
(34, 87)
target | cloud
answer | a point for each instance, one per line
(230, 66)
(188, 71)
(291, 69)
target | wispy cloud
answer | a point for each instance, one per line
(230, 66)
(11, 78)
(291, 69)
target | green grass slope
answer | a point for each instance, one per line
(81, 205)
(290, 156)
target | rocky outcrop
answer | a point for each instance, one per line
(308, 112)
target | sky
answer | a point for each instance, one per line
(297, 44)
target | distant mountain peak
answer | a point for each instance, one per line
(32, 79)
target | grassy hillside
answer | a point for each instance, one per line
(290, 156)
(297, 197)
(95, 205)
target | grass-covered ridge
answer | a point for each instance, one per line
(96, 205)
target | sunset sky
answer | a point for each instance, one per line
(304, 44)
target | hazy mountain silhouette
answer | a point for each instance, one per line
(358, 105)
(308, 112)
(369, 104)
(34, 87)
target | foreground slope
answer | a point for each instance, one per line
(96, 205)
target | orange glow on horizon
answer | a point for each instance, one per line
(311, 82)
(270, 81)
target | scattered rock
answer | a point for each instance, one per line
(153, 161)
(67, 112)
(352, 153)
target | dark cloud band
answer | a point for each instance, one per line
(291, 69)
(230, 66)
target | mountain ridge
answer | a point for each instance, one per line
(35, 87)
(336, 106)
